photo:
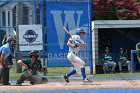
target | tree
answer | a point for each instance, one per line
(138, 2)
(115, 10)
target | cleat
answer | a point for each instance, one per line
(6, 84)
(66, 78)
(32, 83)
(86, 80)
(44, 80)
(18, 84)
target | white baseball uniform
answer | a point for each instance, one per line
(73, 53)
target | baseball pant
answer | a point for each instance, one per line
(34, 79)
(1, 73)
(138, 59)
(5, 75)
(126, 63)
(106, 66)
(77, 62)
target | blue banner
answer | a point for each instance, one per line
(71, 15)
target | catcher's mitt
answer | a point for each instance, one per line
(44, 69)
(35, 66)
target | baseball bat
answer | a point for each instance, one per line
(64, 28)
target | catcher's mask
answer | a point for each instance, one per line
(34, 53)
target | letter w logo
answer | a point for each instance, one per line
(69, 21)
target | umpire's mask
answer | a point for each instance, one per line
(12, 42)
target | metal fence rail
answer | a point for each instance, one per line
(27, 12)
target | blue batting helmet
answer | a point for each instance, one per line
(78, 31)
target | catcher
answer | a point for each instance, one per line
(32, 66)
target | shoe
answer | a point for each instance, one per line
(87, 80)
(32, 83)
(44, 80)
(18, 84)
(66, 78)
(6, 84)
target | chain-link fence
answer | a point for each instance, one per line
(45, 12)
(14, 13)
(72, 15)
(18, 12)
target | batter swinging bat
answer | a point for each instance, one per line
(66, 31)
(69, 34)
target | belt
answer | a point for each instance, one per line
(75, 53)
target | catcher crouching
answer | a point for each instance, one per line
(32, 66)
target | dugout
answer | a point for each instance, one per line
(114, 34)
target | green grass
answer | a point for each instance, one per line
(55, 72)
(58, 71)
(13, 74)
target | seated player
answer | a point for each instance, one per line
(123, 60)
(138, 48)
(107, 60)
(32, 66)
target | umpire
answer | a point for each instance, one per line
(5, 52)
(32, 66)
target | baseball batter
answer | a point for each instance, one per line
(76, 43)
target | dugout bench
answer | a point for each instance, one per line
(99, 65)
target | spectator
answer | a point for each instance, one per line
(138, 48)
(123, 60)
(108, 61)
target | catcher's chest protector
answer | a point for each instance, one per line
(34, 67)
